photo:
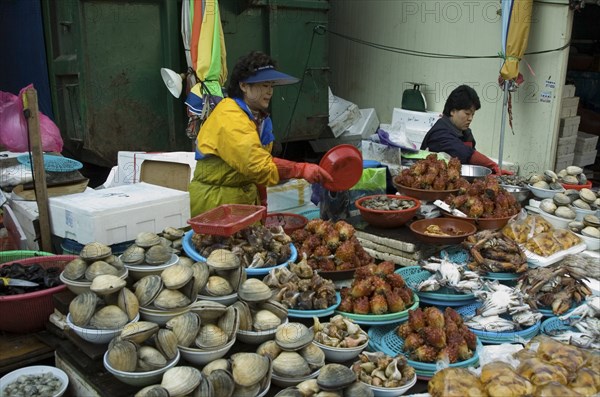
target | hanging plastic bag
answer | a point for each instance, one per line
(14, 125)
(372, 181)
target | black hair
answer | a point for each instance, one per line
(462, 97)
(245, 67)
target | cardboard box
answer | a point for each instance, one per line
(129, 167)
(291, 194)
(563, 162)
(568, 106)
(566, 145)
(366, 126)
(569, 126)
(118, 214)
(585, 142)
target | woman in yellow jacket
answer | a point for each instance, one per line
(234, 163)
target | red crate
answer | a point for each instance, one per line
(227, 219)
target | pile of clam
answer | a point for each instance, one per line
(548, 180)
(300, 287)
(176, 381)
(566, 204)
(589, 226)
(153, 250)
(142, 347)
(379, 369)
(222, 274)
(108, 305)
(95, 259)
(333, 380)
(339, 332)
(293, 352)
(258, 314)
(572, 175)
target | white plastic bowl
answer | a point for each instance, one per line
(593, 244)
(288, 382)
(581, 213)
(556, 221)
(142, 270)
(204, 356)
(342, 354)
(543, 193)
(141, 379)
(224, 300)
(94, 335)
(161, 317)
(392, 391)
(80, 286)
(257, 337)
(35, 370)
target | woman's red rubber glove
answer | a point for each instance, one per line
(312, 173)
(478, 158)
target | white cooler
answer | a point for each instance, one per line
(118, 214)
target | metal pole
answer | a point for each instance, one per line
(503, 123)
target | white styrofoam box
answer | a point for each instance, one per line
(564, 161)
(323, 145)
(365, 126)
(26, 213)
(568, 90)
(568, 106)
(583, 159)
(118, 214)
(129, 164)
(290, 194)
(415, 120)
(15, 231)
(566, 145)
(342, 114)
(569, 126)
(585, 142)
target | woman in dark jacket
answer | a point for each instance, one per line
(451, 133)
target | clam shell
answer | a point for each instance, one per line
(222, 381)
(358, 389)
(139, 331)
(185, 327)
(184, 260)
(582, 179)
(220, 363)
(176, 276)
(158, 254)
(82, 308)
(293, 336)
(556, 186)
(133, 255)
(548, 206)
(581, 205)
(99, 268)
(115, 262)
(147, 289)
(541, 185)
(335, 376)
(205, 389)
(265, 320)
(109, 317)
(244, 314)
(561, 199)
(574, 170)
(550, 176)
(223, 259)
(172, 233)
(128, 302)
(147, 239)
(314, 356)
(122, 356)
(95, 251)
(211, 336)
(150, 359)
(562, 173)
(269, 349)
(75, 269)
(587, 195)
(152, 391)
(107, 284)
(572, 193)
(248, 368)
(254, 290)
(247, 391)
(591, 232)
(208, 311)
(571, 180)
(180, 381)
(229, 322)
(190, 290)
(565, 212)
(591, 220)
(166, 343)
(171, 299)
(290, 364)
(237, 277)
(277, 308)
(576, 226)
(201, 273)
(535, 178)
(218, 286)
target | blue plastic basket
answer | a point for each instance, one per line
(190, 250)
(489, 337)
(547, 312)
(413, 275)
(442, 304)
(312, 214)
(295, 313)
(53, 163)
(502, 276)
(456, 254)
(382, 319)
(555, 324)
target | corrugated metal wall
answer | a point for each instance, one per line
(375, 77)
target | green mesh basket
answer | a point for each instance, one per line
(9, 256)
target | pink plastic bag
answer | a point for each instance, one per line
(13, 125)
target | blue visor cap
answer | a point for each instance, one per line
(268, 73)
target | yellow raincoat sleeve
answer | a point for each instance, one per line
(232, 136)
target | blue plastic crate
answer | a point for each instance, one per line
(53, 163)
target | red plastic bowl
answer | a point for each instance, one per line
(387, 218)
(448, 225)
(578, 187)
(423, 194)
(289, 222)
(483, 223)
(227, 219)
(29, 312)
(345, 165)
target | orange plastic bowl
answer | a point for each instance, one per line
(387, 218)
(345, 165)
(578, 187)
(422, 194)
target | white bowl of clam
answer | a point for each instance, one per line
(340, 339)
